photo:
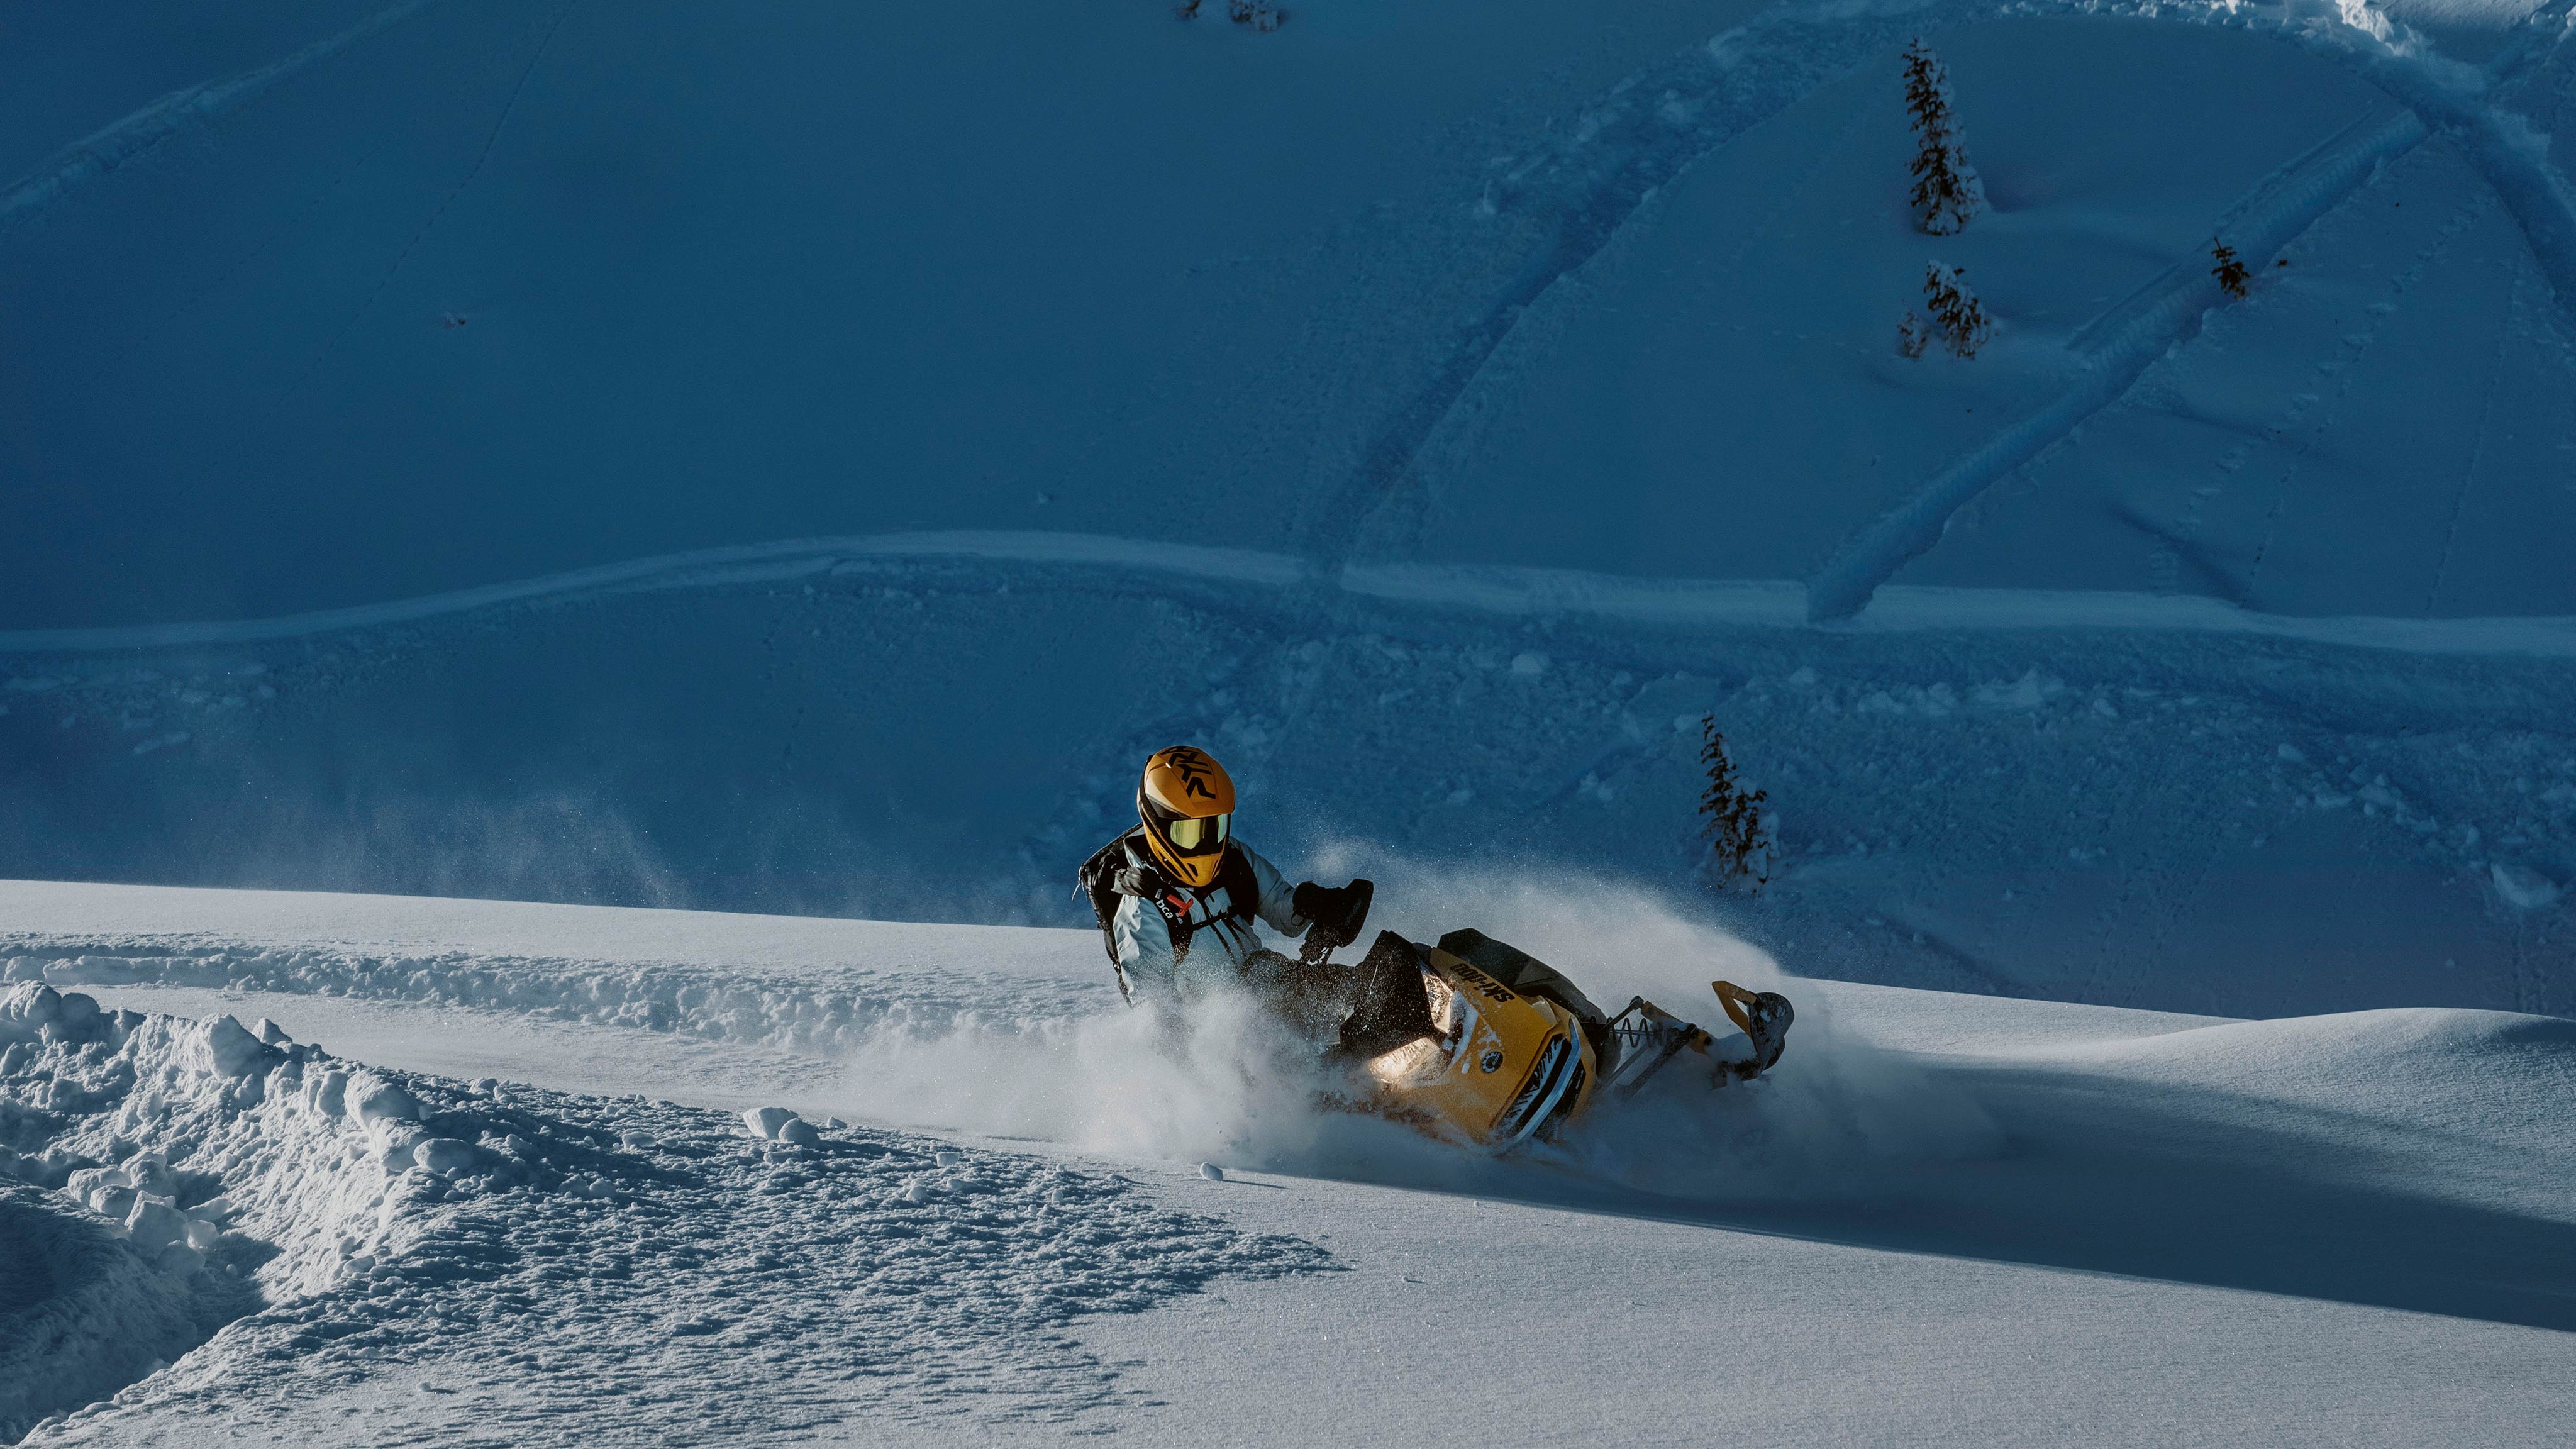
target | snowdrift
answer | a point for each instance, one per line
(569, 1252)
(324, 1221)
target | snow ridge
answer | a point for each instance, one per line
(1653, 126)
(823, 1012)
(2116, 349)
(356, 1224)
(143, 132)
(1281, 585)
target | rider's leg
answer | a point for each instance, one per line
(1389, 1006)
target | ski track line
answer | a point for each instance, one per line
(143, 132)
(483, 157)
(1287, 584)
(2505, 334)
(1641, 135)
(1659, 122)
(2119, 347)
(2353, 345)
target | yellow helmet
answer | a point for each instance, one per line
(1187, 803)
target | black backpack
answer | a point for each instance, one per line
(1121, 868)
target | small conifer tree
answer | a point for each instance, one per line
(2229, 271)
(1731, 817)
(1947, 193)
(1255, 14)
(1913, 334)
(1957, 315)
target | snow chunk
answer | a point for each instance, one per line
(371, 1099)
(1529, 665)
(153, 1223)
(2523, 888)
(326, 1093)
(223, 1047)
(27, 1009)
(444, 1156)
(765, 1122)
(1211, 1172)
(797, 1132)
(2027, 692)
(148, 1172)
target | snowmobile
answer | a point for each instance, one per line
(1477, 1042)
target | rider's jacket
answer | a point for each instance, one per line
(1174, 943)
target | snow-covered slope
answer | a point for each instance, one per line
(460, 291)
(1944, 1219)
(800, 460)
(2119, 800)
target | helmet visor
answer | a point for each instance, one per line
(1190, 835)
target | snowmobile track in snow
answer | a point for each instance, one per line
(1279, 585)
(174, 115)
(1651, 127)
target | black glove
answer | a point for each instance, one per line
(1333, 915)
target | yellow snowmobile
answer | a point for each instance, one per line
(1477, 1042)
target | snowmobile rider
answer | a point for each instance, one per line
(1176, 898)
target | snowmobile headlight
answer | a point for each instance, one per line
(1407, 1062)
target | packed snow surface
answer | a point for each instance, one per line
(510, 1204)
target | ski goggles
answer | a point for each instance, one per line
(1192, 835)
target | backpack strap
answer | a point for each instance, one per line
(1121, 868)
(1114, 870)
(1242, 886)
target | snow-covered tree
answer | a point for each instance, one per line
(1957, 315)
(1913, 334)
(1254, 13)
(1731, 817)
(1947, 194)
(2229, 271)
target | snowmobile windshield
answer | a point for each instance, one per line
(1193, 835)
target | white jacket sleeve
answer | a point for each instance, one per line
(1144, 949)
(1276, 908)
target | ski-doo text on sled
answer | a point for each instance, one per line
(1477, 1041)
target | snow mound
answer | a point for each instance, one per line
(268, 1221)
(822, 1011)
(200, 1173)
(81, 1313)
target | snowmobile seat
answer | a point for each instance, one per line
(1525, 974)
